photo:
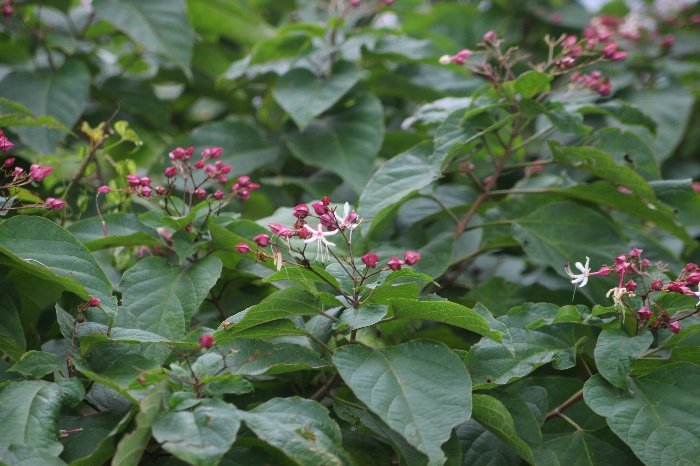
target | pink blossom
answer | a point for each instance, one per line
(242, 248)
(206, 341)
(674, 327)
(94, 302)
(218, 195)
(281, 230)
(394, 263)
(146, 191)
(133, 180)
(104, 189)
(170, 171)
(38, 173)
(262, 240)
(8, 162)
(301, 211)
(411, 257)
(644, 313)
(54, 204)
(370, 259)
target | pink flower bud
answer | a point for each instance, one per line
(54, 204)
(631, 286)
(644, 313)
(7, 10)
(133, 180)
(5, 144)
(657, 285)
(199, 165)
(104, 189)
(213, 152)
(569, 41)
(462, 56)
(604, 88)
(206, 341)
(262, 240)
(690, 267)
(200, 193)
(17, 172)
(693, 279)
(94, 302)
(491, 37)
(326, 201)
(304, 233)
(146, 191)
(355, 2)
(177, 154)
(411, 257)
(319, 208)
(329, 221)
(674, 327)
(281, 230)
(242, 248)
(160, 190)
(370, 259)
(667, 41)
(243, 194)
(170, 171)
(301, 211)
(8, 162)
(636, 252)
(38, 173)
(218, 195)
(145, 181)
(226, 169)
(243, 181)
(696, 186)
(394, 263)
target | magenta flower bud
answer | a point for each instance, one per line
(411, 257)
(170, 171)
(5, 144)
(326, 201)
(104, 189)
(328, 221)
(491, 36)
(619, 55)
(253, 186)
(569, 41)
(199, 165)
(243, 194)
(262, 240)
(146, 191)
(188, 153)
(394, 263)
(38, 173)
(657, 285)
(693, 279)
(8, 162)
(206, 341)
(676, 287)
(222, 179)
(200, 193)
(7, 10)
(604, 88)
(319, 208)
(462, 56)
(160, 190)
(94, 302)
(667, 41)
(301, 211)
(54, 204)
(355, 2)
(636, 252)
(304, 233)
(281, 230)
(218, 195)
(215, 152)
(243, 181)
(226, 169)
(644, 313)
(674, 327)
(177, 154)
(17, 172)
(370, 259)
(242, 248)
(631, 286)
(133, 180)
(145, 181)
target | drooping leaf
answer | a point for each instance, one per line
(615, 352)
(301, 428)
(304, 95)
(61, 94)
(201, 436)
(36, 364)
(345, 142)
(481, 447)
(419, 388)
(159, 26)
(122, 230)
(657, 416)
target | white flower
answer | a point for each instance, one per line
(319, 236)
(579, 279)
(697, 294)
(348, 218)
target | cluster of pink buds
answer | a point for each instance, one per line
(594, 81)
(140, 184)
(7, 9)
(460, 58)
(639, 279)
(578, 53)
(5, 144)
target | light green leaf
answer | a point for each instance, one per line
(305, 95)
(365, 316)
(615, 352)
(61, 94)
(419, 388)
(532, 83)
(159, 26)
(237, 21)
(36, 364)
(301, 428)
(200, 437)
(16, 114)
(303, 276)
(445, 312)
(345, 142)
(122, 230)
(657, 416)
(29, 415)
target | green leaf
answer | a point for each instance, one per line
(133, 444)
(657, 416)
(493, 415)
(159, 26)
(200, 437)
(16, 114)
(42, 248)
(237, 21)
(365, 316)
(584, 449)
(301, 428)
(345, 142)
(302, 275)
(623, 112)
(445, 312)
(62, 94)
(279, 305)
(601, 164)
(23, 455)
(480, 447)
(395, 181)
(12, 341)
(29, 415)
(305, 95)
(419, 388)
(93, 334)
(122, 230)
(163, 297)
(615, 352)
(628, 149)
(36, 364)
(532, 83)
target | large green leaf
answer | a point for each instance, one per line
(419, 388)
(615, 352)
(492, 414)
(657, 416)
(445, 312)
(159, 26)
(42, 248)
(12, 341)
(583, 449)
(345, 142)
(201, 436)
(162, 297)
(238, 21)
(29, 415)
(62, 94)
(481, 447)
(122, 230)
(305, 95)
(301, 428)
(36, 364)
